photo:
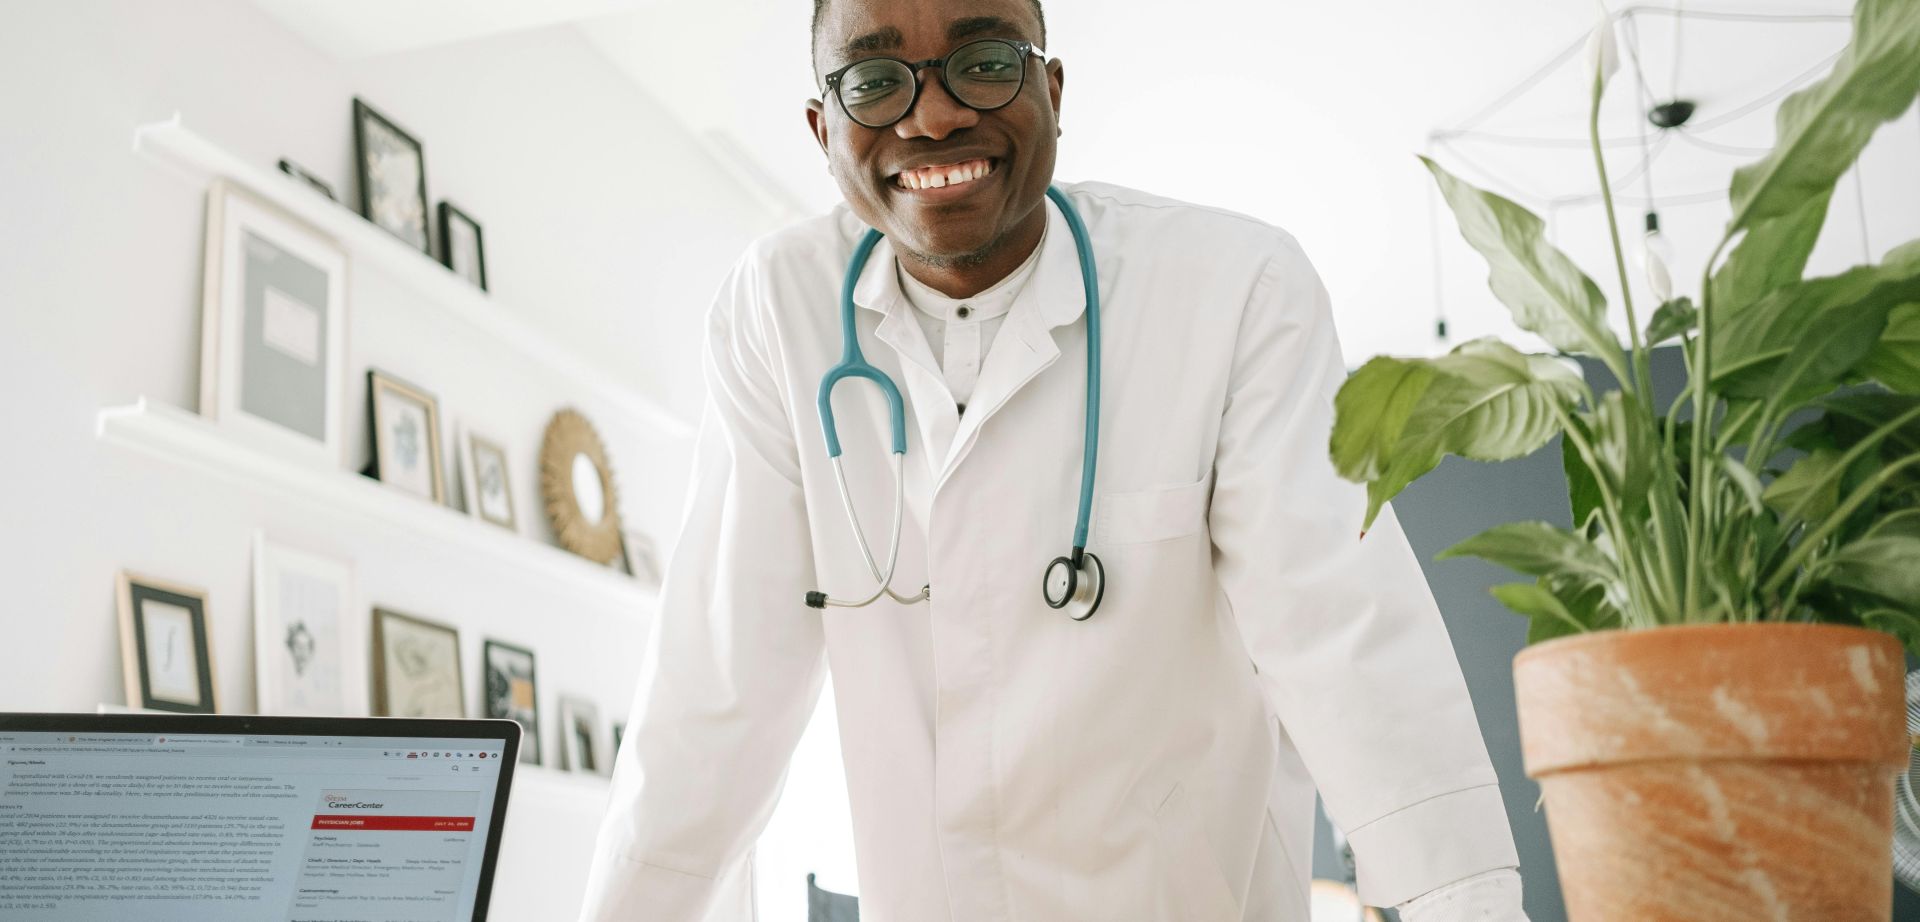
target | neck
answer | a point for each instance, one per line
(970, 274)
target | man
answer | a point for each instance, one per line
(1006, 762)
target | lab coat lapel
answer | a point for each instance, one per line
(934, 413)
(1025, 347)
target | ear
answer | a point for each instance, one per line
(817, 122)
(1056, 80)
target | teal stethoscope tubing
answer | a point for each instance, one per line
(854, 365)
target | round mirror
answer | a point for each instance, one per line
(586, 490)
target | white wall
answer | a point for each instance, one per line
(606, 226)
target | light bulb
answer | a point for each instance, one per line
(1656, 255)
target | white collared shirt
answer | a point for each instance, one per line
(961, 331)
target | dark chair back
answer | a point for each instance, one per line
(823, 906)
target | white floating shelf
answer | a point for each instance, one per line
(191, 441)
(201, 160)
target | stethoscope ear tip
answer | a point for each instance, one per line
(817, 600)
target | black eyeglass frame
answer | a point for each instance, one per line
(1024, 49)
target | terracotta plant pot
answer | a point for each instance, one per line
(1718, 772)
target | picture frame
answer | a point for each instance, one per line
(309, 643)
(416, 667)
(642, 558)
(485, 481)
(307, 176)
(392, 170)
(580, 741)
(510, 691)
(577, 484)
(166, 654)
(405, 422)
(462, 247)
(273, 327)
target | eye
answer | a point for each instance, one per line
(988, 68)
(873, 85)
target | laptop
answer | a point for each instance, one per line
(167, 818)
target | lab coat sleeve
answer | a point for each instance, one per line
(1350, 649)
(734, 660)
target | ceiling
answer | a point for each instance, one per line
(1305, 114)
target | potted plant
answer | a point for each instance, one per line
(1713, 704)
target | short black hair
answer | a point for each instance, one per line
(820, 10)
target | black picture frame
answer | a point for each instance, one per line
(135, 593)
(449, 214)
(363, 115)
(492, 693)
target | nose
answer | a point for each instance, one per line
(936, 114)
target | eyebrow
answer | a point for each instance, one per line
(979, 25)
(886, 39)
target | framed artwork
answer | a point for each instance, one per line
(273, 327)
(580, 749)
(643, 559)
(510, 693)
(461, 248)
(309, 643)
(307, 176)
(416, 667)
(393, 177)
(406, 436)
(484, 479)
(165, 654)
(577, 483)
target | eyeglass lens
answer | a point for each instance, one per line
(981, 75)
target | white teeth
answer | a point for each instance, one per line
(927, 178)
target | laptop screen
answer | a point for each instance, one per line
(217, 819)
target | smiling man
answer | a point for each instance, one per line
(1137, 736)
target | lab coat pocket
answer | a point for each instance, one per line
(1188, 866)
(1156, 514)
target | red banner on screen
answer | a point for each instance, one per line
(395, 823)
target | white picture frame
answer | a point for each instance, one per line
(273, 353)
(309, 639)
(583, 746)
(486, 479)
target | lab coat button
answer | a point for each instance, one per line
(963, 312)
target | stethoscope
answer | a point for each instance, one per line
(1077, 580)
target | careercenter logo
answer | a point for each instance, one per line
(339, 801)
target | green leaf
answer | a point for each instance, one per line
(1749, 485)
(1394, 419)
(1810, 489)
(1583, 488)
(1547, 618)
(1546, 292)
(1672, 319)
(1537, 549)
(1902, 522)
(1882, 566)
(1895, 360)
(1851, 418)
(1804, 339)
(1822, 129)
(1903, 625)
(1771, 256)
(1626, 449)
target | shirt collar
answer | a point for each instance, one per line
(1055, 282)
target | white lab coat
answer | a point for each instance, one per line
(1004, 763)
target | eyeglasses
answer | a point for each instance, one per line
(983, 76)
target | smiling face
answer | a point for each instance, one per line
(955, 188)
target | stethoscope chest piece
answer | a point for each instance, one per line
(1076, 589)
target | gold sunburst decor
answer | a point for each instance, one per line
(577, 483)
